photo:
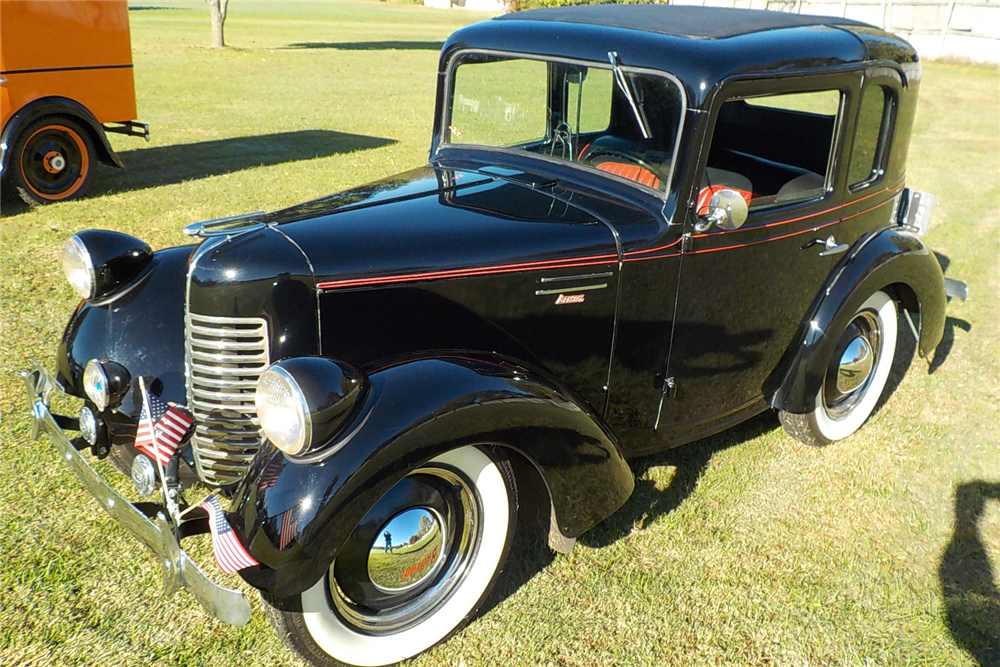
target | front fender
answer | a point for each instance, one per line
(890, 258)
(412, 412)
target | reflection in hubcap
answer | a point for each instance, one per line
(407, 550)
(855, 365)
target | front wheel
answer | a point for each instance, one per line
(414, 571)
(855, 378)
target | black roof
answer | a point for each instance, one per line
(679, 21)
(701, 46)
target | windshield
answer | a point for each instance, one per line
(601, 116)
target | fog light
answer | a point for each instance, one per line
(144, 475)
(105, 383)
(88, 425)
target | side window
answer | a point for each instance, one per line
(774, 149)
(870, 137)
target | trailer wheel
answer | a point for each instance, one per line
(51, 160)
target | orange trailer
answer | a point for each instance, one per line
(65, 81)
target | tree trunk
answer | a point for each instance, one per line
(218, 10)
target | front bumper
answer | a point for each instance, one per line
(158, 534)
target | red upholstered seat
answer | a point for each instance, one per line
(705, 196)
(633, 172)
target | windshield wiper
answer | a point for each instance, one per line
(623, 84)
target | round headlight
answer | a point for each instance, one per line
(95, 384)
(283, 411)
(79, 267)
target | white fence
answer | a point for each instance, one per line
(937, 28)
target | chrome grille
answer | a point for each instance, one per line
(225, 356)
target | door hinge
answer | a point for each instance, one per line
(686, 242)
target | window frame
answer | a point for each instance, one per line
(447, 109)
(886, 128)
(842, 80)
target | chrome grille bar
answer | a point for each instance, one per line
(225, 356)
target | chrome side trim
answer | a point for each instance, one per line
(566, 289)
(582, 276)
(179, 571)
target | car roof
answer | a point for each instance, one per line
(701, 46)
(678, 21)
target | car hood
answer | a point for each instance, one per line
(432, 221)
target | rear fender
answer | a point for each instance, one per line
(892, 260)
(412, 412)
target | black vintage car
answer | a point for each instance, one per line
(639, 225)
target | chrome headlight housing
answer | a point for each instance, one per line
(303, 402)
(97, 262)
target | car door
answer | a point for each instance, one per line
(743, 293)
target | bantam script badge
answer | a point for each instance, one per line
(564, 299)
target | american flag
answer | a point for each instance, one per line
(229, 553)
(170, 425)
(288, 527)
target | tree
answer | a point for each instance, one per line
(218, 9)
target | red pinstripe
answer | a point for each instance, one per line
(631, 256)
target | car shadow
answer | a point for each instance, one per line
(947, 341)
(530, 554)
(968, 581)
(369, 46)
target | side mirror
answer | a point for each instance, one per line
(727, 210)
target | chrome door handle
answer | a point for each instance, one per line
(830, 246)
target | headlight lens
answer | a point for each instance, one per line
(283, 412)
(95, 384)
(79, 267)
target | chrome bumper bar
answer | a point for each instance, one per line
(179, 571)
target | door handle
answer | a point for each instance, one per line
(830, 246)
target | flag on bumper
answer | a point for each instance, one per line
(229, 553)
(161, 428)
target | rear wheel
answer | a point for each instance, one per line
(855, 378)
(414, 571)
(51, 160)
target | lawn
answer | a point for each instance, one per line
(743, 549)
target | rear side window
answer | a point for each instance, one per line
(774, 149)
(870, 137)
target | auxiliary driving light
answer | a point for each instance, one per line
(143, 475)
(88, 425)
(105, 382)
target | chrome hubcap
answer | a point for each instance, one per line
(855, 365)
(855, 359)
(409, 553)
(408, 550)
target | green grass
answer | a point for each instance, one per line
(743, 549)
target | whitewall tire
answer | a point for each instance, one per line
(398, 590)
(855, 378)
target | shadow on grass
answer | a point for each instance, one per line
(968, 581)
(369, 46)
(166, 165)
(530, 555)
(947, 341)
(163, 165)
